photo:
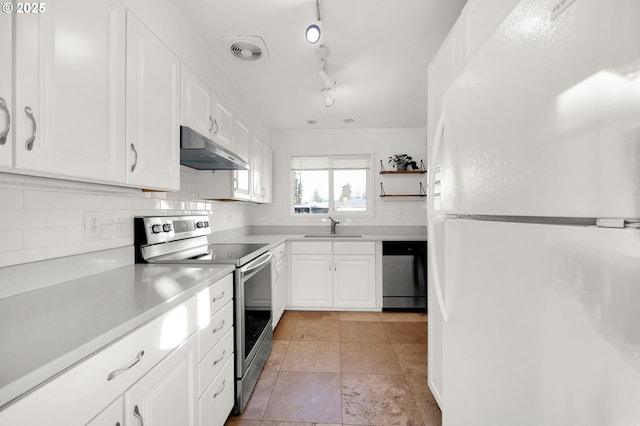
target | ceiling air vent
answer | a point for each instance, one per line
(246, 48)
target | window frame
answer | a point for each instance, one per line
(331, 201)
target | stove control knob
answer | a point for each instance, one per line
(199, 224)
(156, 229)
(206, 224)
(166, 227)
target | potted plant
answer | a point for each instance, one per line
(402, 162)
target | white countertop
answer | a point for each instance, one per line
(276, 239)
(45, 331)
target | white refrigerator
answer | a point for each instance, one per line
(534, 221)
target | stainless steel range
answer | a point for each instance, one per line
(183, 239)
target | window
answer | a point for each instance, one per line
(330, 184)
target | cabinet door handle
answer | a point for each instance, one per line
(215, 123)
(211, 126)
(218, 328)
(217, 298)
(135, 161)
(221, 389)
(5, 132)
(136, 413)
(29, 143)
(217, 361)
(116, 373)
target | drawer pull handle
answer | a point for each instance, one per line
(136, 412)
(221, 389)
(224, 352)
(217, 298)
(220, 327)
(119, 371)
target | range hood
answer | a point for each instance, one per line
(200, 152)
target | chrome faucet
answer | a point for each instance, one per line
(333, 225)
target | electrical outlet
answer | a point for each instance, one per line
(92, 224)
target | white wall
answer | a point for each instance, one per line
(44, 218)
(381, 143)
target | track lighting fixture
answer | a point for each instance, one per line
(326, 97)
(313, 33)
(327, 81)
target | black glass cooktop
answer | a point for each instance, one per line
(238, 254)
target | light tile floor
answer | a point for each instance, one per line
(344, 368)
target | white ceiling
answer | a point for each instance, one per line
(379, 51)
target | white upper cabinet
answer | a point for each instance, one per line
(267, 175)
(153, 111)
(223, 125)
(242, 138)
(242, 178)
(197, 103)
(70, 89)
(256, 169)
(261, 158)
(480, 18)
(6, 100)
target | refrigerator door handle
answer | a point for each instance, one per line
(433, 252)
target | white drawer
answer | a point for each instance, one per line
(279, 252)
(213, 362)
(217, 401)
(86, 389)
(219, 325)
(216, 296)
(316, 247)
(356, 247)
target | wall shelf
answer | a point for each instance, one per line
(422, 192)
(420, 171)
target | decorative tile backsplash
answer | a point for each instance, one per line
(44, 218)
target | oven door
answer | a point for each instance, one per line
(253, 309)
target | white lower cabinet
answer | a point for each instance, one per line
(311, 280)
(354, 281)
(279, 283)
(176, 370)
(333, 275)
(217, 401)
(215, 368)
(166, 396)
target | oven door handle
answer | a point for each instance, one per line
(256, 264)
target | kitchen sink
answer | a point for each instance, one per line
(332, 236)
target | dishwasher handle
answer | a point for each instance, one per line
(404, 248)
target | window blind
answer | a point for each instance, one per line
(324, 162)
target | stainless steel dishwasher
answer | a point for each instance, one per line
(404, 276)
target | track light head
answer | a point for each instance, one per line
(313, 32)
(326, 97)
(327, 81)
